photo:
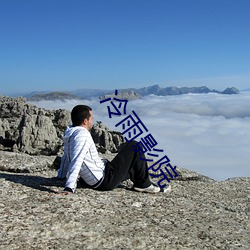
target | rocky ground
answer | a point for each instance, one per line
(199, 213)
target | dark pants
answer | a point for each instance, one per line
(126, 164)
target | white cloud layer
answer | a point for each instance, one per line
(207, 133)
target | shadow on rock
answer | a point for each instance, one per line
(35, 182)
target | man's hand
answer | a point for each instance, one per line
(67, 191)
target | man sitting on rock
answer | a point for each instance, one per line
(81, 158)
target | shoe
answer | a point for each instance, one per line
(153, 189)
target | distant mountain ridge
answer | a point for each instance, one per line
(157, 90)
(53, 96)
(129, 93)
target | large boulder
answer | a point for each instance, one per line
(106, 140)
(37, 133)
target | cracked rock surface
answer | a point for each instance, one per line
(195, 215)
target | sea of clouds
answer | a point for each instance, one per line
(207, 133)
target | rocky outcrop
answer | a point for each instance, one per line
(26, 128)
(32, 130)
(106, 140)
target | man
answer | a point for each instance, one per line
(81, 158)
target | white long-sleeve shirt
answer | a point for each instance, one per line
(80, 157)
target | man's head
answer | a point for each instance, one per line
(81, 115)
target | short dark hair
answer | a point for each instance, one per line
(79, 113)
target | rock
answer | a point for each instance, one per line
(188, 175)
(106, 140)
(196, 215)
(61, 120)
(37, 133)
(199, 213)
(24, 163)
(27, 128)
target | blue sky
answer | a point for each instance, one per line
(66, 45)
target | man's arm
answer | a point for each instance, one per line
(78, 148)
